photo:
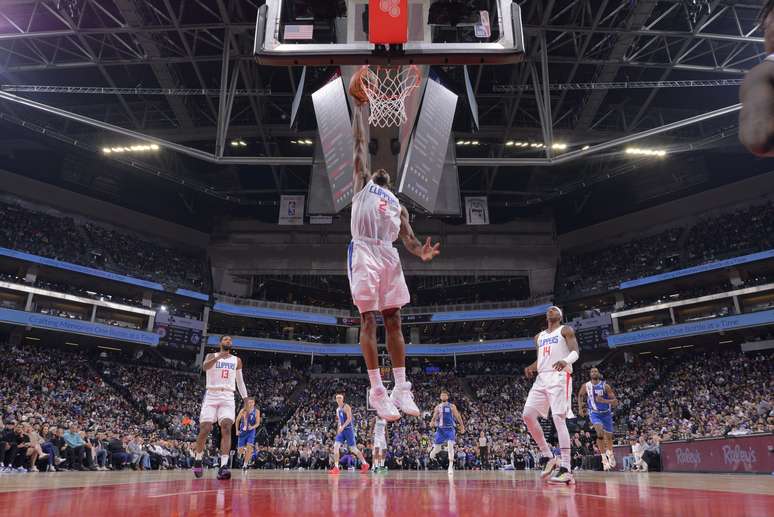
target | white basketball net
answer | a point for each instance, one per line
(387, 89)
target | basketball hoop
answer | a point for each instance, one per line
(387, 89)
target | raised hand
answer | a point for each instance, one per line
(430, 251)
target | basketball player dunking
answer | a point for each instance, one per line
(756, 121)
(597, 397)
(345, 433)
(446, 417)
(224, 376)
(375, 273)
(557, 350)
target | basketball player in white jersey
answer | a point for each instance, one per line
(380, 443)
(557, 350)
(597, 398)
(756, 121)
(224, 376)
(374, 269)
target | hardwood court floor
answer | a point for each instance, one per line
(269, 493)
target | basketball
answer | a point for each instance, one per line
(356, 86)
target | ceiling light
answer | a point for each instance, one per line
(234, 143)
(242, 143)
(32, 338)
(308, 142)
(474, 142)
(293, 142)
(462, 142)
(509, 143)
(584, 147)
(106, 150)
(559, 147)
(638, 151)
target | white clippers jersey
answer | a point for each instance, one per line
(552, 347)
(375, 214)
(223, 374)
(379, 429)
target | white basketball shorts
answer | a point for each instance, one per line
(551, 390)
(218, 406)
(376, 277)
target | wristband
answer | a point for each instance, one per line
(571, 357)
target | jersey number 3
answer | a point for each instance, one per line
(224, 374)
(383, 206)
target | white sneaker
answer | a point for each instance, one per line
(450, 471)
(403, 399)
(611, 459)
(384, 406)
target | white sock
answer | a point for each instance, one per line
(400, 375)
(224, 460)
(451, 454)
(375, 376)
(198, 456)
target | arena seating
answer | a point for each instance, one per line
(714, 238)
(156, 409)
(62, 238)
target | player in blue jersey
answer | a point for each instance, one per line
(445, 419)
(345, 434)
(247, 421)
(598, 398)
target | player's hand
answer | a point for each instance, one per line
(530, 371)
(430, 251)
(560, 365)
(340, 430)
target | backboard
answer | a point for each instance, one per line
(336, 32)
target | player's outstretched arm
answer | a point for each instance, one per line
(756, 120)
(426, 252)
(361, 174)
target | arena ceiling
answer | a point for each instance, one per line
(596, 70)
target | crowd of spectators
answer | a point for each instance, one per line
(708, 394)
(101, 414)
(63, 238)
(713, 238)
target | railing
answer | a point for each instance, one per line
(340, 313)
(425, 309)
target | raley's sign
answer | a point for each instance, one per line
(754, 454)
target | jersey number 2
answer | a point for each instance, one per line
(224, 374)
